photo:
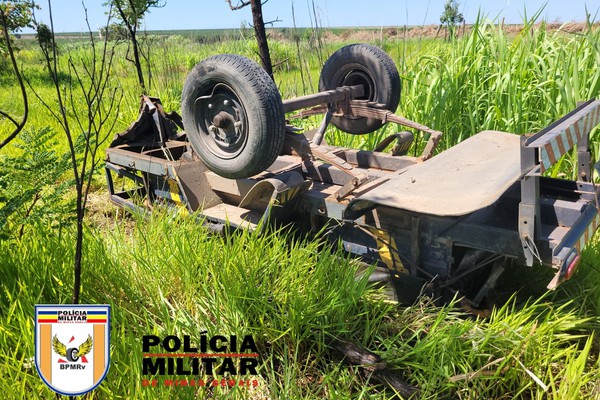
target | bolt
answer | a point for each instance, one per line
(226, 102)
(210, 106)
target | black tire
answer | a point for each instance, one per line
(374, 69)
(72, 354)
(238, 128)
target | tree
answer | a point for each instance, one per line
(130, 13)
(14, 15)
(259, 31)
(89, 79)
(115, 32)
(451, 17)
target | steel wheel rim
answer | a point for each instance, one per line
(221, 121)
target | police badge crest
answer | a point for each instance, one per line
(72, 345)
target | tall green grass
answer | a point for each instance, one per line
(487, 80)
(166, 275)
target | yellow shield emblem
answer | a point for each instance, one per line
(72, 345)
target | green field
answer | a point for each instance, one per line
(164, 274)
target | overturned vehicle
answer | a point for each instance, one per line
(430, 223)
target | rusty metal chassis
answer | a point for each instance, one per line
(418, 248)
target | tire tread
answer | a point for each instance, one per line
(270, 109)
(370, 58)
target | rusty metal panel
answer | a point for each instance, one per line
(235, 216)
(463, 179)
(369, 159)
(195, 186)
(139, 162)
(279, 191)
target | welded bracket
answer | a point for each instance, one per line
(529, 208)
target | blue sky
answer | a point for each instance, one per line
(209, 14)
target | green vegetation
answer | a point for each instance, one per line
(451, 17)
(166, 275)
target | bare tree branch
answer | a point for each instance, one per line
(239, 6)
(89, 79)
(273, 21)
(260, 34)
(131, 13)
(8, 117)
(18, 125)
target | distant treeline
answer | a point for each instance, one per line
(214, 35)
(209, 36)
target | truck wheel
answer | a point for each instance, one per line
(367, 65)
(72, 354)
(233, 115)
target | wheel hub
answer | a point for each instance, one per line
(222, 118)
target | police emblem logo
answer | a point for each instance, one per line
(72, 346)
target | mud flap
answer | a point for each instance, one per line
(276, 197)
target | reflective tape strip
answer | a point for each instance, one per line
(559, 145)
(555, 150)
(174, 191)
(578, 129)
(386, 247)
(545, 157)
(570, 136)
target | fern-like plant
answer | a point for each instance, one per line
(34, 180)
